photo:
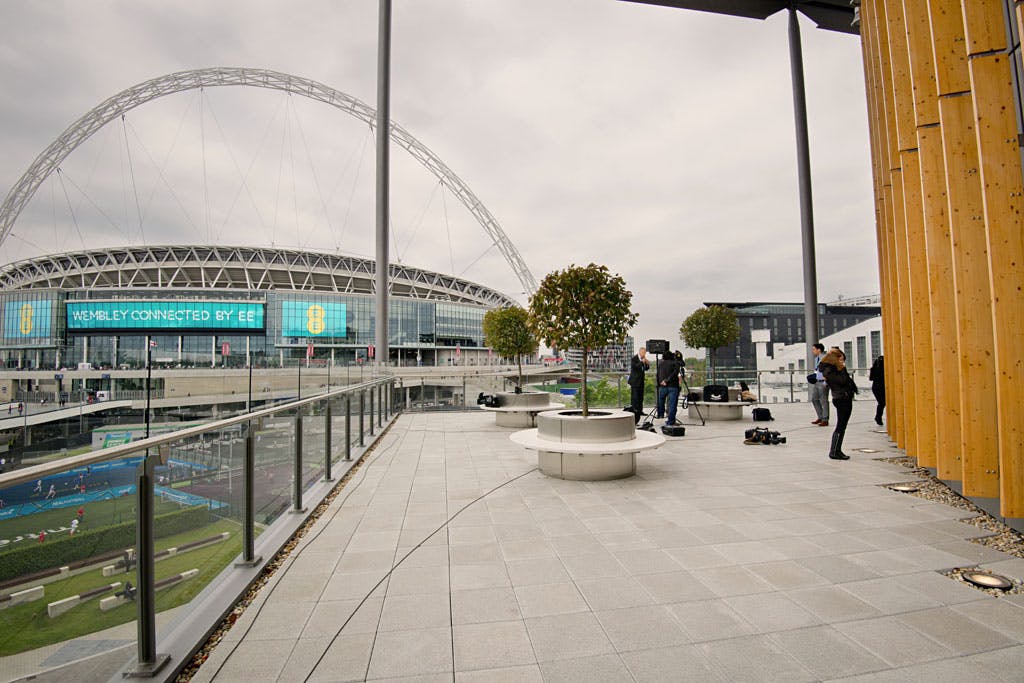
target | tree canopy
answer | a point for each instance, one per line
(506, 331)
(710, 328)
(582, 308)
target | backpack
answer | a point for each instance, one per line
(762, 415)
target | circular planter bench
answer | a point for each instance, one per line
(601, 447)
(718, 410)
(521, 410)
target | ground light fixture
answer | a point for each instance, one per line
(984, 579)
(904, 488)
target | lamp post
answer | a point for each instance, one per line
(150, 343)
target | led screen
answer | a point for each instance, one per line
(27, 319)
(312, 319)
(164, 315)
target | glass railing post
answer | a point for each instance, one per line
(297, 474)
(148, 662)
(792, 397)
(327, 440)
(348, 427)
(371, 410)
(249, 557)
(362, 411)
(380, 405)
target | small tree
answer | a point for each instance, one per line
(506, 331)
(710, 328)
(582, 308)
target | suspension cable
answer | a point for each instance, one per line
(419, 221)
(312, 170)
(71, 209)
(135, 189)
(451, 255)
(352, 194)
(206, 187)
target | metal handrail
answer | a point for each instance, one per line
(154, 442)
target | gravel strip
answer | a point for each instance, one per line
(1002, 537)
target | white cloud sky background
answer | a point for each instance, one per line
(658, 142)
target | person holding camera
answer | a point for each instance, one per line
(638, 366)
(669, 372)
(833, 369)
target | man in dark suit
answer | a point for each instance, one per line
(638, 365)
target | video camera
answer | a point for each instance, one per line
(764, 436)
(487, 400)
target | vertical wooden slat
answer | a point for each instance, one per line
(895, 399)
(920, 310)
(945, 343)
(984, 26)
(922, 62)
(973, 297)
(949, 46)
(1002, 184)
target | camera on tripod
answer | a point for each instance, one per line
(487, 400)
(764, 436)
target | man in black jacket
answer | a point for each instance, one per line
(669, 371)
(638, 365)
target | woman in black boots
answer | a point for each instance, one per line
(833, 369)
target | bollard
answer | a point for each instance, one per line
(348, 427)
(327, 441)
(297, 475)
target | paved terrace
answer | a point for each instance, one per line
(718, 562)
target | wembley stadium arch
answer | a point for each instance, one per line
(113, 107)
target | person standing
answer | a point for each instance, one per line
(668, 387)
(638, 366)
(877, 377)
(833, 369)
(820, 388)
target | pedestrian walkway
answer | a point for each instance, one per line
(719, 561)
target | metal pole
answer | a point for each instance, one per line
(248, 403)
(149, 662)
(362, 410)
(803, 158)
(371, 411)
(327, 442)
(297, 476)
(149, 375)
(298, 394)
(383, 179)
(348, 427)
(249, 557)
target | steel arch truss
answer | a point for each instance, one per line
(198, 267)
(79, 131)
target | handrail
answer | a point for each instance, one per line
(20, 476)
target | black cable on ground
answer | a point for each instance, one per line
(404, 557)
(363, 468)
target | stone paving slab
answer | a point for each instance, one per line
(719, 561)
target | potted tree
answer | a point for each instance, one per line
(506, 331)
(582, 308)
(710, 328)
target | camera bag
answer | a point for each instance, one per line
(716, 393)
(762, 415)
(673, 430)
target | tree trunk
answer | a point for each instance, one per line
(519, 362)
(583, 387)
(712, 354)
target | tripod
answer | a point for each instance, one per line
(685, 403)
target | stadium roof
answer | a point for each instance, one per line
(832, 15)
(184, 268)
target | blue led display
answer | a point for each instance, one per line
(312, 319)
(165, 315)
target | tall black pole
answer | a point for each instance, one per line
(149, 377)
(803, 159)
(248, 404)
(383, 184)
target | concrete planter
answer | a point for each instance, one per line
(521, 410)
(601, 447)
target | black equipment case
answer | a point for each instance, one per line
(716, 393)
(673, 430)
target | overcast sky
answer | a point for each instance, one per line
(658, 142)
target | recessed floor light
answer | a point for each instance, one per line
(987, 580)
(905, 488)
(867, 450)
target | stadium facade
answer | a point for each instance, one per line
(217, 306)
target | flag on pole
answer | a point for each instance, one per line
(152, 343)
